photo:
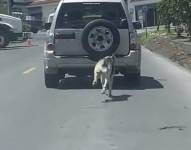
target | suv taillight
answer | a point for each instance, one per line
(132, 40)
(50, 47)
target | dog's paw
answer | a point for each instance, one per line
(103, 91)
(94, 83)
(110, 95)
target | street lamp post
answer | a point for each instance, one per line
(9, 5)
(189, 28)
(145, 18)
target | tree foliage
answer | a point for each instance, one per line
(3, 7)
(175, 11)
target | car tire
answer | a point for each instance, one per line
(100, 38)
(4, 39)
(51, 81)
(7, 43)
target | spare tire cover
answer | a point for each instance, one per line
(100, 38)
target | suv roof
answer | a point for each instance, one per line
(89, 1)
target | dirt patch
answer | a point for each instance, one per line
(176, 50)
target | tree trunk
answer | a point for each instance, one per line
(158, 26)
(189, 29)
(168, 27)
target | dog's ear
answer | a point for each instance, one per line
(113, 56)
(105, 61)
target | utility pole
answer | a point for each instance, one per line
(145, 18)
(9, 6)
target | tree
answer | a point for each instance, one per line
(166, 12)
(183, 12)
(3, 7)
(178, 11)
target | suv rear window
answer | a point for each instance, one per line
(77, 15)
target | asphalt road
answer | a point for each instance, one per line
(154, 115)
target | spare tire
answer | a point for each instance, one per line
(100, 38)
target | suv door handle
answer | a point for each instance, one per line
(65, 36)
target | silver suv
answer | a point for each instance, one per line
(82, 32)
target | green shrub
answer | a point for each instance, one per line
(26, 27)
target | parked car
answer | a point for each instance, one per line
(10, 29)
(82, 32)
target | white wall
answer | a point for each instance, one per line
(141, 2)
(133, 3)
(22, 0)
(48, 9)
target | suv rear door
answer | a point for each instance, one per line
(73, 17)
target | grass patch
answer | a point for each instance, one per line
(143, 39)
(153, 34)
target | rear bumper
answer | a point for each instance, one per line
(53, 64)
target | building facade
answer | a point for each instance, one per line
(144, 11)
(19, 8)
(36, 12)
(39, 10)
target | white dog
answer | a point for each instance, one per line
(105, 70)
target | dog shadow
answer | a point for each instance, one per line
(119, 98)
(120, 83)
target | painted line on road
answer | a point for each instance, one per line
(29, 70)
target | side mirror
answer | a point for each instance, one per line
(137, 25)
(124, 23)
(47, 26)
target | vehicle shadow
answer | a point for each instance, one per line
(120, 83)
(13, 47)
(119, 98)
(16, 47)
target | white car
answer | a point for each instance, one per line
(10, 29)
(84, 31)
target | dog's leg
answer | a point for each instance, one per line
(111, 77)
(103, 83)
(110, 86)
(96, 77)
(102, 80)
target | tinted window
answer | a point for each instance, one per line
(77, 15)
